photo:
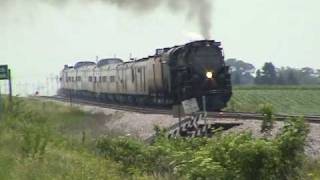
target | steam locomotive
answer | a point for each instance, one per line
(170, 76)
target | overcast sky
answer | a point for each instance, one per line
(37, 39)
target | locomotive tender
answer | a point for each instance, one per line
(173, 74)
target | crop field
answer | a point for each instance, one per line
(46, 140)
(295, 100)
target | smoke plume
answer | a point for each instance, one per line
(199, 10)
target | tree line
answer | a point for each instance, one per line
(243, 73)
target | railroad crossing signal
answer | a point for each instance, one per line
(4, 72)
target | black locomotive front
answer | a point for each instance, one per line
(198, 69)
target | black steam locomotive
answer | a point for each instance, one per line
(170, 76)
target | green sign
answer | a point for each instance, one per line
(4, 73)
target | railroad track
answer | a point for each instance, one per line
(257, 116)
(150, 110)
(143, 110)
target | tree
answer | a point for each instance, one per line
(257, 80)
(281, 79)
(292, 78)
(308, 76)
(236, 78)
(241, 72)
(269, 74)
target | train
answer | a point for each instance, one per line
(170, 76)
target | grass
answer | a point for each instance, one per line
(297, 100)
(46, 140)
(312, 169)
(277, 87)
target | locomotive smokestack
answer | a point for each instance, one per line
(200, 10)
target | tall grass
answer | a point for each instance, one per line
(35, 144)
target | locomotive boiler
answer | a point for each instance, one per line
(170, 76)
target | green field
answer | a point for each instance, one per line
(296, 100)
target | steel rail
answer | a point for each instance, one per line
(150, 110)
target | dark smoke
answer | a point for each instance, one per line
(139, 6)
(200, 10)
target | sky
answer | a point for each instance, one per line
(38, 38)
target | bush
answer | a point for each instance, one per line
(291, 145)
(232, 156)
(268, 119)
(124, 150)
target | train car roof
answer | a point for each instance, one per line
(84, 63)
(109, 61)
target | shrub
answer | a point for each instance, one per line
(268, 119)
(34, 141)
(232, 156)
(291, 145)
(128, 152)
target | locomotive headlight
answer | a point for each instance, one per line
(209, 75)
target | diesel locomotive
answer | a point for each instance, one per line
(168, 77)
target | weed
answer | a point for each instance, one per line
(268, 119)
